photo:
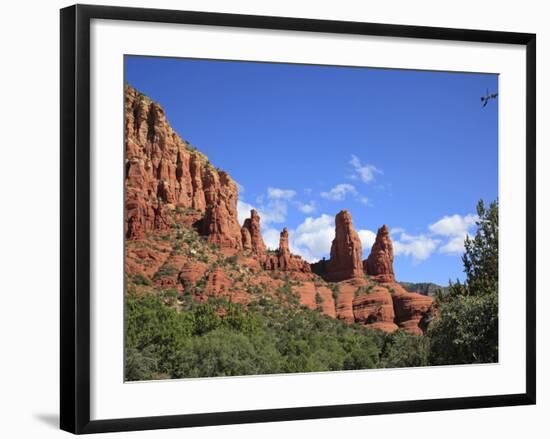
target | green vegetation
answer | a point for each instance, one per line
(221, 339)
(335, 291)
(165, 270)
(405, 350)
(467, 329)
(139, 279)
(363, 291)
(186, 211)
(318, 299)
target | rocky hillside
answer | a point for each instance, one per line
(183, 236)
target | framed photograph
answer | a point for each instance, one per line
(275, 218)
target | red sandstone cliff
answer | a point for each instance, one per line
(163, 172)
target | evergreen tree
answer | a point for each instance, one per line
(466, 330)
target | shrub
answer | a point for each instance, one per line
(165, 271)
(318, 299)
(335, 291)
(139, 279)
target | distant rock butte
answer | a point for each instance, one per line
(166, 176)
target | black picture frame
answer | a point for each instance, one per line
(75, 217)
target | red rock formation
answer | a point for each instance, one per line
(283, 260)
(345, 253)
(219, 284)
(410, 308)
(246, 239)
(191, 272)
(346, 294)
(316, 297)
(252, 226)
(375, 309)
(164, 172)
(220, 222)
(380, 261)
(146, 261)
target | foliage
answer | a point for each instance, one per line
(165, 270)
(363, 290)
(218, 338)
(481, 253)
(139, 279)
(335, 288)
(405, 350)
(466, 330)
(318, 299)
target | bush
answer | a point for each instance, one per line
(139, 279)
(165, 271)
(405, 350)
(466, 331)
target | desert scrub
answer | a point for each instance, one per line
(335, 288)
(139, 279)
(286, 292)
(231, 260)
(364, 290)
(165, 271)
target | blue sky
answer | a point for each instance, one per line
(411, 149)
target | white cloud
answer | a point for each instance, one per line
(455, 246)
(275, 193)
(367, 238)
(271, 238)
(455, 228)
(339, 192)
(454, 225)
(243, 210)
(363, 200)
(363, 172)
(307, 207)
(396, 230)
(419, 247)
(312, 239)
(273, 213)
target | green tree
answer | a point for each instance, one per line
(466, 330)
(404, 350)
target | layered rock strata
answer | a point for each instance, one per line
(163, 173)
